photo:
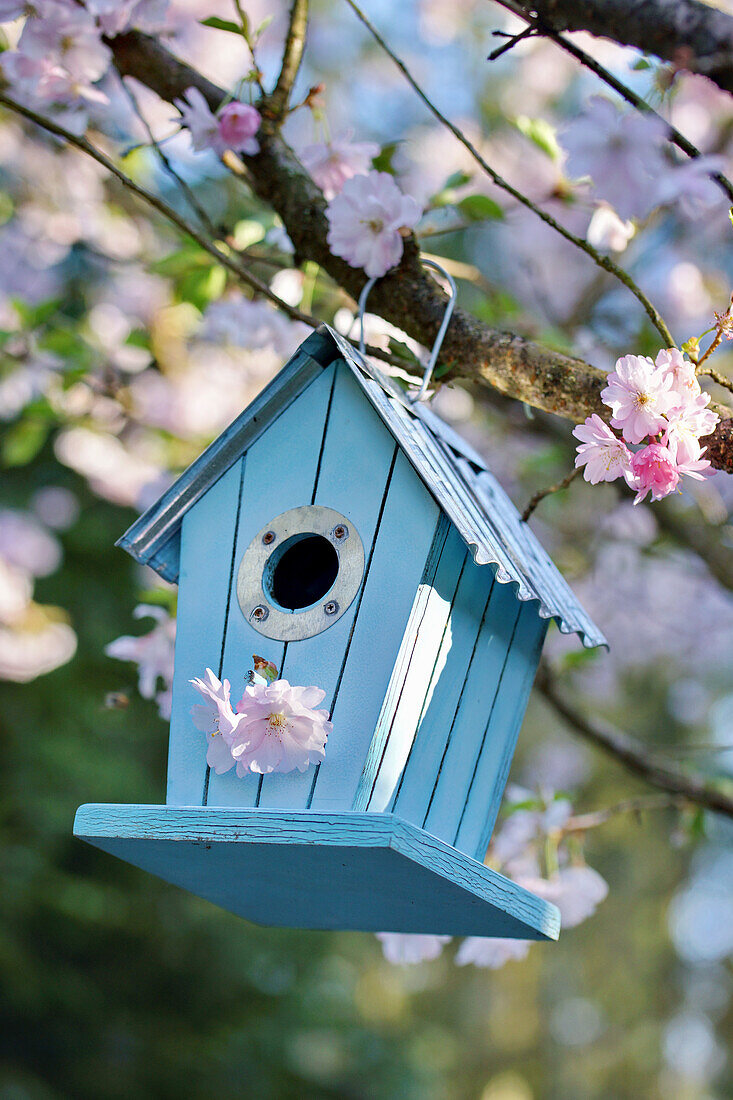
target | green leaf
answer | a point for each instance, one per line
(402, 351)
(160, 597)
(458, 179)
(24, 440)
(222, 25)
(479, 208)
(201, 286)
(578, 658)
(383, 160)
(640, 65)
(248, 232)
(35, 316)
(181, 261)
(542, 134)
(263, 26)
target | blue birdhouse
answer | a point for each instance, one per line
(352, 539)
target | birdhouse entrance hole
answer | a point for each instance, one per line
(301, 571)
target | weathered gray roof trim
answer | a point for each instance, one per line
(451, 470)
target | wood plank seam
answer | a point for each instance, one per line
(430, 679)
(243, 460)
(488, 723)
(359, 599)
(325, 433)
(460, 700)
(430, 570)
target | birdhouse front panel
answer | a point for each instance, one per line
(308, 551)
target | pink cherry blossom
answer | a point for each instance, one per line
(685, 425)
(27, 544)
(603, 454)
(216, 719)
(622, 151)
(404, 948)
(332, 163)
(491, 953)
(238, 124)
(116, 16)
(240, 322)
(200, 121)
(689, 186)
(12, 9)
(365, 222)
(152, 652)
(66, 34)
(279, 728)
(654, 470)
(576, 891)
(638, 394)
(682, 372)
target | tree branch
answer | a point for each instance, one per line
(556, 488)
(292, 57)
(408, 297)
(543, 29)
(691, 34)
(225, 258)
(634, 756)
(598, 258)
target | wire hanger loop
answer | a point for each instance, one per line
(419, 394)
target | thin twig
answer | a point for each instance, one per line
(634, 756)
(227, 260)
(581, 823)
(716, 376)
(184, 188)
(511, 43)
(544, 29)
(579, 242)
(542, 493)
(292, 57)
(244, 24)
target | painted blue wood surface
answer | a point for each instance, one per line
(362, 871)
(279, 474)
(416, 784)
(491, 769)
(353, 474)
(414, 670)
(480, 687)
(206, 566)
(392, 576)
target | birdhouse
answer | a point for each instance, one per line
(352, 539)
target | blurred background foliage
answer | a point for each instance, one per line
(113, 984)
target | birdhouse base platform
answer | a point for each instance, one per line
(370, 872)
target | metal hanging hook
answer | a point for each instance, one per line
(433, 357)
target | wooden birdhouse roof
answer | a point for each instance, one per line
(451, 470)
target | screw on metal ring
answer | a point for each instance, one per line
(340, 532)
(331, 607)
(269, 537)
(260, 613)
(433, 358)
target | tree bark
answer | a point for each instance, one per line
(407, 296)
(690, 34)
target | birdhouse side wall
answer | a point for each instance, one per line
(330, 448)
(449, 732)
